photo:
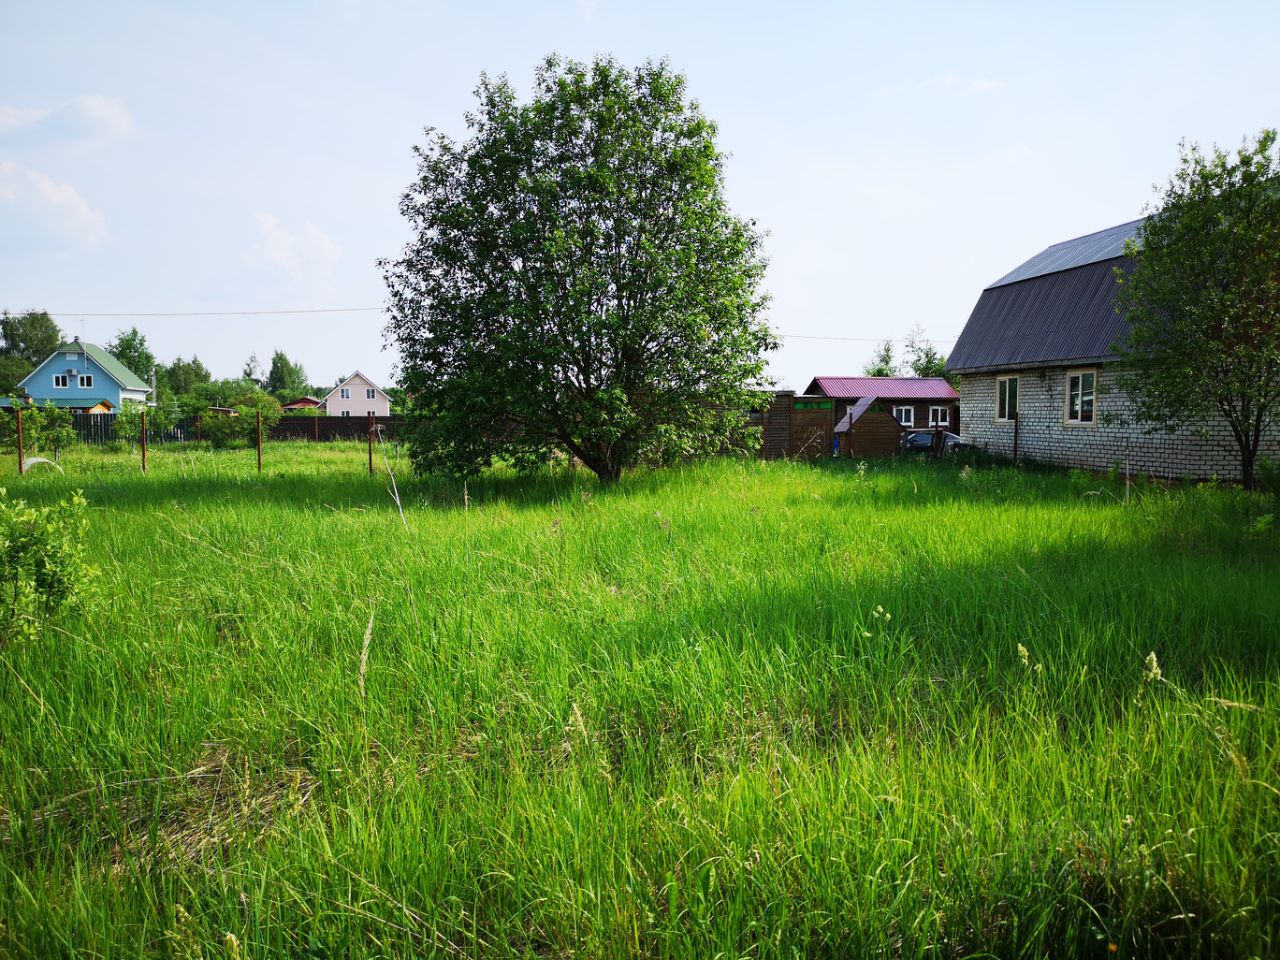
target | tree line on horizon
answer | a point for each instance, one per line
(185, 388)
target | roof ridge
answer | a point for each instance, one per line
(1094, 233)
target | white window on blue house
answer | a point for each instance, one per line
(60, 381)
(345, 393)
(86, 381)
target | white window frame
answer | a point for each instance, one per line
(371, 413)
(344, 393)
(910, 420)
(1000, 387)
(345, 413)
(939, 416)
(370, 393)
(65, 378)
(1079, 374)
(86, 381)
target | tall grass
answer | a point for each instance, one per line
(739, 709)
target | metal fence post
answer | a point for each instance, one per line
(143, 432)
(259, 441)
(371, 444)
(21, 466)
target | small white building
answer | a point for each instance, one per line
(357, 396)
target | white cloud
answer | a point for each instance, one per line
(87, 117)
(42, 205)
(306, 256)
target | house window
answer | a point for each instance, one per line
(905, 415)
(346, 413)
(369, 393)
(1007, 398)
(86, 381)
(370, 413)
(939, 416)
(1081, 391)
(60, 381)
(344, 393)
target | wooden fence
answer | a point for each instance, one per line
(100, 428)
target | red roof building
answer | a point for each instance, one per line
(916, 402)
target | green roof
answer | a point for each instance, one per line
(122, 374)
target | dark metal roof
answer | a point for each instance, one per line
(1091, 248)
(886, 388)
(1055, 319)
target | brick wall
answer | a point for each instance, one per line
(1199, 449)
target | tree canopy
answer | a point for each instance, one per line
(130, 348)
(286, 379)
(576, 281)
(882, 363)
(26, 339)
(922, 359)
(1203, 297)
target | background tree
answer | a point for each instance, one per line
(286, 380)
(882, 363)
(130, 348)
(1203, 299)
(26, 339)
(576, 281)
(922, 359)
(252, 370)
(183, 375)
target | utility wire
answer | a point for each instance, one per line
(276, 313)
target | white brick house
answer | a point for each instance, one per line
(357, 396)
(1038, 348)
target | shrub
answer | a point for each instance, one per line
(43, 564)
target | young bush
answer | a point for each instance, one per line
(44, 429)
(43, 563)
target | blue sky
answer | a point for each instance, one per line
(175, 157)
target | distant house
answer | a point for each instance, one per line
(357, 396)
(303, 403)
(915, 402)
(83, 377)
(1036, 362)
(855, 416)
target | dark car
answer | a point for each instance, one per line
(922, 442)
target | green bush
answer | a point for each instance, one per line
(43, 564)
(45, 429)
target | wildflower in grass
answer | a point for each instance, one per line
(1152, 671)
(232, 943)
(1024, 656)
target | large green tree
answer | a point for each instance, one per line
(286, 379)
(184, 375)
(130, 348)
(1203, 297)
(26, 339)
(576, 281)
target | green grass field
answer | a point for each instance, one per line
(740, 709)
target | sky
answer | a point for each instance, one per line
(240, 158)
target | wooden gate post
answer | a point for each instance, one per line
(21, 465)
(143, 433)
(259, 441)
(371, 444)
(315, 429)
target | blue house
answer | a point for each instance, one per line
(82, 377)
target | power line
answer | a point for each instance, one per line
(276, 313)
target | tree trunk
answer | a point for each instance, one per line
(1248, 463)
